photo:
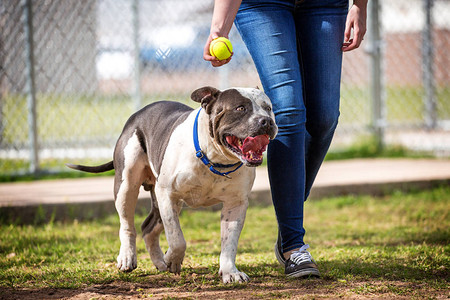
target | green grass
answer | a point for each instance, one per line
(368, 147)
(50, 169)
(397, 245)
(60, 116)
(70, 118)
(403, 105)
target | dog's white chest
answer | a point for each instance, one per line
(209, 189)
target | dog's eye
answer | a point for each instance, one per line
(240, 108)
(266, 107)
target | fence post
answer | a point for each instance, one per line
(136, 55)
(427, 68)
(376, 79)
(30, 85)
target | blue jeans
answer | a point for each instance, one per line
(297, 51)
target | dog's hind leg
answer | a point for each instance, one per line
(130, 174)
(151, 230)
(125, 206)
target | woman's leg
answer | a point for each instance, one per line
(268, 30)
(320, 32)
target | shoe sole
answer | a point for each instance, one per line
(310, 272)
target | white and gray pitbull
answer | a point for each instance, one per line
(191, 156)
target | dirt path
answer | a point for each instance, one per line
(270, 288)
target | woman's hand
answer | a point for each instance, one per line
(356, 20)
(207, 55)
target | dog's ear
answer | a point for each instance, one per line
(205, 95)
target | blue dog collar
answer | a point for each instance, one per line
(201, 155)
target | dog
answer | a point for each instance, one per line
(199, 157)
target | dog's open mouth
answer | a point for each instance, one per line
(250, 149)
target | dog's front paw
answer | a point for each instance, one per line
(173, 263)
(236, 276)
(161, 266)
(127, 260)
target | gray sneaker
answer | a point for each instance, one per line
(301, 264)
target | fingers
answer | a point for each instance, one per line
(355, 42)
(352, 44)
(348, 30)
(219, 63)
(214, 61)
(206, 55)
(349, 46)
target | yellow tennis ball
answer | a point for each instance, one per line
(221, 48)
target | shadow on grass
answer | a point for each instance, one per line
(381, 270)
(398, 237)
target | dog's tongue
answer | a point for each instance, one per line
(255, 144)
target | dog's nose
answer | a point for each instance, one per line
(266, 122)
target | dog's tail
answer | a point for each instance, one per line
(94, 169)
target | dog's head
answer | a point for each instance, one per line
(240, 120)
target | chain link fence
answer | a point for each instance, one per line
(72, 72)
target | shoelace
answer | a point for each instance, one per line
(301, 255)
